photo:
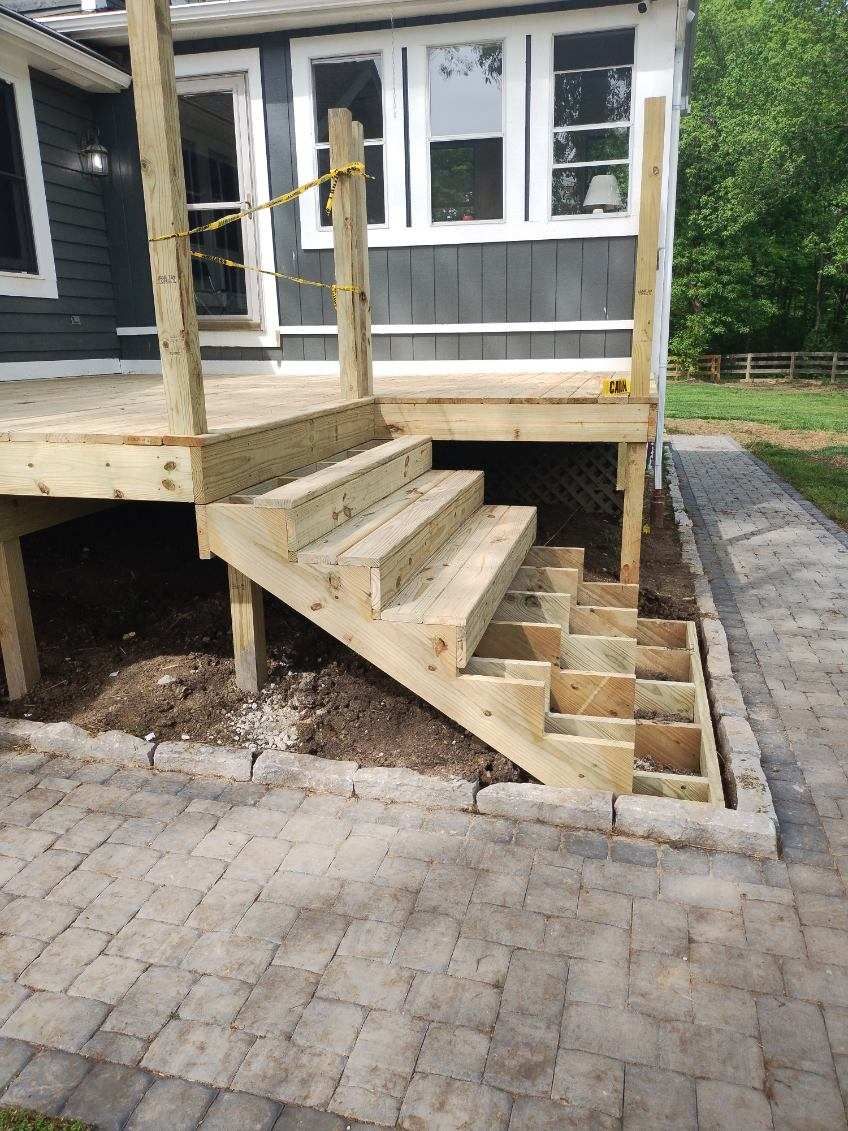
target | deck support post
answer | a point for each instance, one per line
(248, 619)
(631, 521)
(163, 180)
(647, 247)
(350, 251)
(17, 637)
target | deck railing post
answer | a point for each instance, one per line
(350, 251)
(647, 247)
(163, 180)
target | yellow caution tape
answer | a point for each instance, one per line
(333, 288)
(352, 168)
(615, 387)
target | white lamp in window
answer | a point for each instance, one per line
(604, 194)
(94, 157)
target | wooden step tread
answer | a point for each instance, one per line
(376, 547)
(326, 549)
(464, 583)
(337, 475)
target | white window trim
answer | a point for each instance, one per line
(246, 64)
(652, 75)
(23, 284)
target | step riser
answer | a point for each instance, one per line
(593, 693)
(596, 620)
(584, 726)
(546, 580)
(547, 608)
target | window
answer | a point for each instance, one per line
(466, 132)
(355, 84)
(217, 166)
(17, 246)
(591, 122)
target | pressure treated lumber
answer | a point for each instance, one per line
(593, 693)
(710, 767)
(350, 251)
(631, 518)
(21, 515)
(647, 247)
(163, 182)
(17, 637)
(248, 621)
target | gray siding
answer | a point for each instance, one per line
(41, 329)
(532, 281)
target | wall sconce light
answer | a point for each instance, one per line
(604, 194)
(94, 157)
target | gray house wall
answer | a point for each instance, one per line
(40, 329)
(539, 281)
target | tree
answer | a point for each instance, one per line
(761, 257)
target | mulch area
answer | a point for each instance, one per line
(133, 633)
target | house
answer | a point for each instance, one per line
(505, 149)
(495, 267)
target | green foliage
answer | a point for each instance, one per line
(17, 1119)
(761, 258)
(821, 476)
(802, 409)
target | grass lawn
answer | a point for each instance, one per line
(815, 466)
(804, 409)
(17, 1119)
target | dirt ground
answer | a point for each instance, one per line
(133, 634)
(746, 431)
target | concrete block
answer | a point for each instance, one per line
(305, 771)
(727, 698)
(63, 738)
(199, 758)
(571, 808)
(121, 749)
(19, 734)
(697, 825)
(411, 788)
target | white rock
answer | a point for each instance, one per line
(695, 824)
(121, 749)
(201, 758)
(305, 771)
(571, 808)
(63, 738)
(411, 788)
(164, 680)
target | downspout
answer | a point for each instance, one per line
(684, 17)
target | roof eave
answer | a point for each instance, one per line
(57, 55)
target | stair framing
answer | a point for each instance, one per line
(451, 598)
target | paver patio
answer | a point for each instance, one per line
(181, 952)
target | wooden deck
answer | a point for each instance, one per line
(107, 437)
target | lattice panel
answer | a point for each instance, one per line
(582, 475)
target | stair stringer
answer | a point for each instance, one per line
(506, 713)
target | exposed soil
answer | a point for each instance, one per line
(133, 632)
(746, 431)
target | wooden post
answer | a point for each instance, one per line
(248, 618)
(621, 467)
(160, 149)
(833, 368)
(748, 368)
(631, 520)
(350, 251)
(17, 637)
(647, 247)
(792, 357)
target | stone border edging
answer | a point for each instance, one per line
(740, 752)
(587, 810)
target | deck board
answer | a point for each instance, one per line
(130, 409)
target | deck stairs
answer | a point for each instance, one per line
(452, 597)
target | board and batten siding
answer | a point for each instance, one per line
(542, 281)
(40, 329)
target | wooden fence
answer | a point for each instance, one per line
(750, 366)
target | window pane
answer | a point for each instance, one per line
(591, 145)
(570, 186)
(218, 290)
(207, 124)
(465, 89)
(595, 49)
(353, 84)
(375, 206)
(466, 179)
(586, 97)
(17, 249)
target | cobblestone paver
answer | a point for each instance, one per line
(184, 953)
